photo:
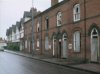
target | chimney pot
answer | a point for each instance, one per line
(54, 2)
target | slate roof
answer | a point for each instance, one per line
(14, 28)
(27, 14)
(9, 31)
(18, 25)
(22, 20)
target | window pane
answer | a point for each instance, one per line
(59, 20)
(47, 23)
(77, 41)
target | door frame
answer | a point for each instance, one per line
(54, 40)
(64, 39)
(97, 35)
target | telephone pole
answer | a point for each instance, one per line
(32, 29)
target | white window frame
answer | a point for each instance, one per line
(77, 41)
(59, 19)
(93, 31)
(76, 13)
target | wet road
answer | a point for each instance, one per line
(14, 64)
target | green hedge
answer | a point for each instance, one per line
(14, 47)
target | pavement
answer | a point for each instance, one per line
(89, 67)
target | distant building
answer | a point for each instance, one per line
(21, 32)
(15, 34)
(2, 43)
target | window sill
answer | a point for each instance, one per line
(76, 21)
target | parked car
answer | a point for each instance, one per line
(1, 49)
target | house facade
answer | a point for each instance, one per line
(15, 35)
(21, 33)
(69, 29)
(27, 36)
(28, 29)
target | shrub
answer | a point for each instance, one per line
(14, 47)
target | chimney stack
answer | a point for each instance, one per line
(54, 2)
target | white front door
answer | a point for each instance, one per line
(94, 44)
(94, 49)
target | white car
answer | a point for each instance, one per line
(1, 49)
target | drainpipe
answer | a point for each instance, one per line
(85, 53)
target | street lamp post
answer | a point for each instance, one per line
(32, 29)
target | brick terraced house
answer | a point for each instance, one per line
(28, 30)
(69, 29)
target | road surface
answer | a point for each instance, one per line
(15, 64)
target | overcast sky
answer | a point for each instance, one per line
(12, 10)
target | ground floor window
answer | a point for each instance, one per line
(25, 43)
(76, 41)
(46, 43)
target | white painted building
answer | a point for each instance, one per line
(15, 34)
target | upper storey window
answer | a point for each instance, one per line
(38, 27)
(59, 19)
(76, 12)
(47, 23)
